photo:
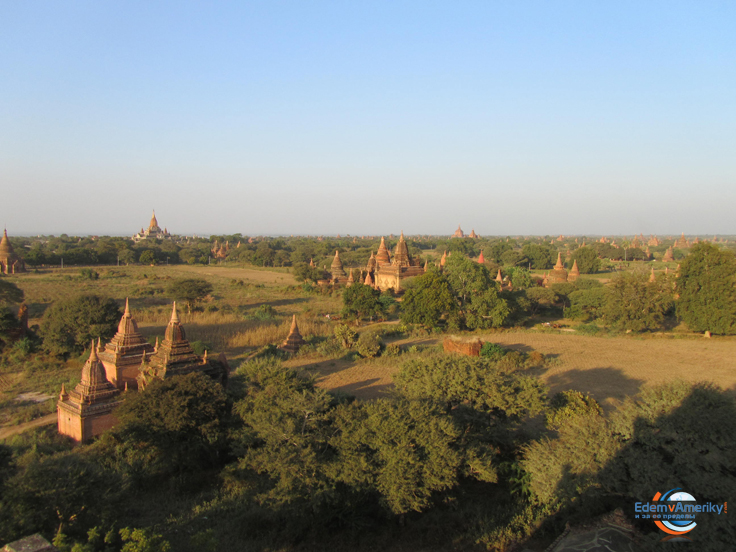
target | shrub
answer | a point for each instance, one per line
(492, 351)
(369, 344)
(569, 404)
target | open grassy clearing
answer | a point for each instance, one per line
(609, 368)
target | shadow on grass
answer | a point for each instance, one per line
(601, 383)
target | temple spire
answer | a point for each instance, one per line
(174, 315)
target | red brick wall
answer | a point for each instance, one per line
(469, 348)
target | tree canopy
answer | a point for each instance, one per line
(69, 325)
(428, 300)
(707, 288)
(190, 290)
(361, 301)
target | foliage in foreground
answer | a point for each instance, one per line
(69, 325)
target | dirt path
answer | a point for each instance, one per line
(9, 431)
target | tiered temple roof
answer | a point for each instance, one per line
(401, 254)
(175, 356)
(294, 340)
(85, 412)
(458, 233)
(383, 257)
(153, 232)
(10, 263)
(123, 354)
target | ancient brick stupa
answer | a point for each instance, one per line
(669, 255)
(383, 257)
(336, 269)
(175, 356)
(481, 258)
(458, 233)
(294, 340)
(86, 411)
(499, 277)
(574, 272)
(558, 275)
(10, 263)
(123, 355)
(401, 254)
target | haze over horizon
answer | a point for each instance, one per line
(269, 118)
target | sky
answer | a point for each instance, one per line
(307, 117)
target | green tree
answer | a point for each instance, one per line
(303, 272)
(361, 301)
(403, 450)
(587, 258)
(476, 294)
(541, 257)
(178, 425)
(70, 324)
(190, 290)
(634, 303)
(587, 304)
(428, 300)
(148, 257)
(369, 344)
(707, 288)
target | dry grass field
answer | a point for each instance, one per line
(609, 368)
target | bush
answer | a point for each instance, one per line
(369, 344)
(569, 404)
(89, 274)
(492, 351)
(262, 313)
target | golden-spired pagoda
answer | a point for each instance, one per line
(10, 262)
(87, 410)
(175, 356)
(294, 340)
(388, 273)
(153, 232)
(123, 355)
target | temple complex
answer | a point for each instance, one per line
(175, 356)
(219, 251)
(558, 275)
(10, 263)
(681, 242)
(653, 241)
(153, 232)
(123, 355)
(294, 340)
(458, 233)
(387, 273)
(87, 411)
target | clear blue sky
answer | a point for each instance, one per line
(368, 117)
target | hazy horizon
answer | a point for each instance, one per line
(320, 118)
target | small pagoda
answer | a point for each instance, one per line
(87, 410)
(294, 340)
(175, 356)
(558, 275)
(123, 355)
(10, 262)
(574, 272)
(336, 269)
